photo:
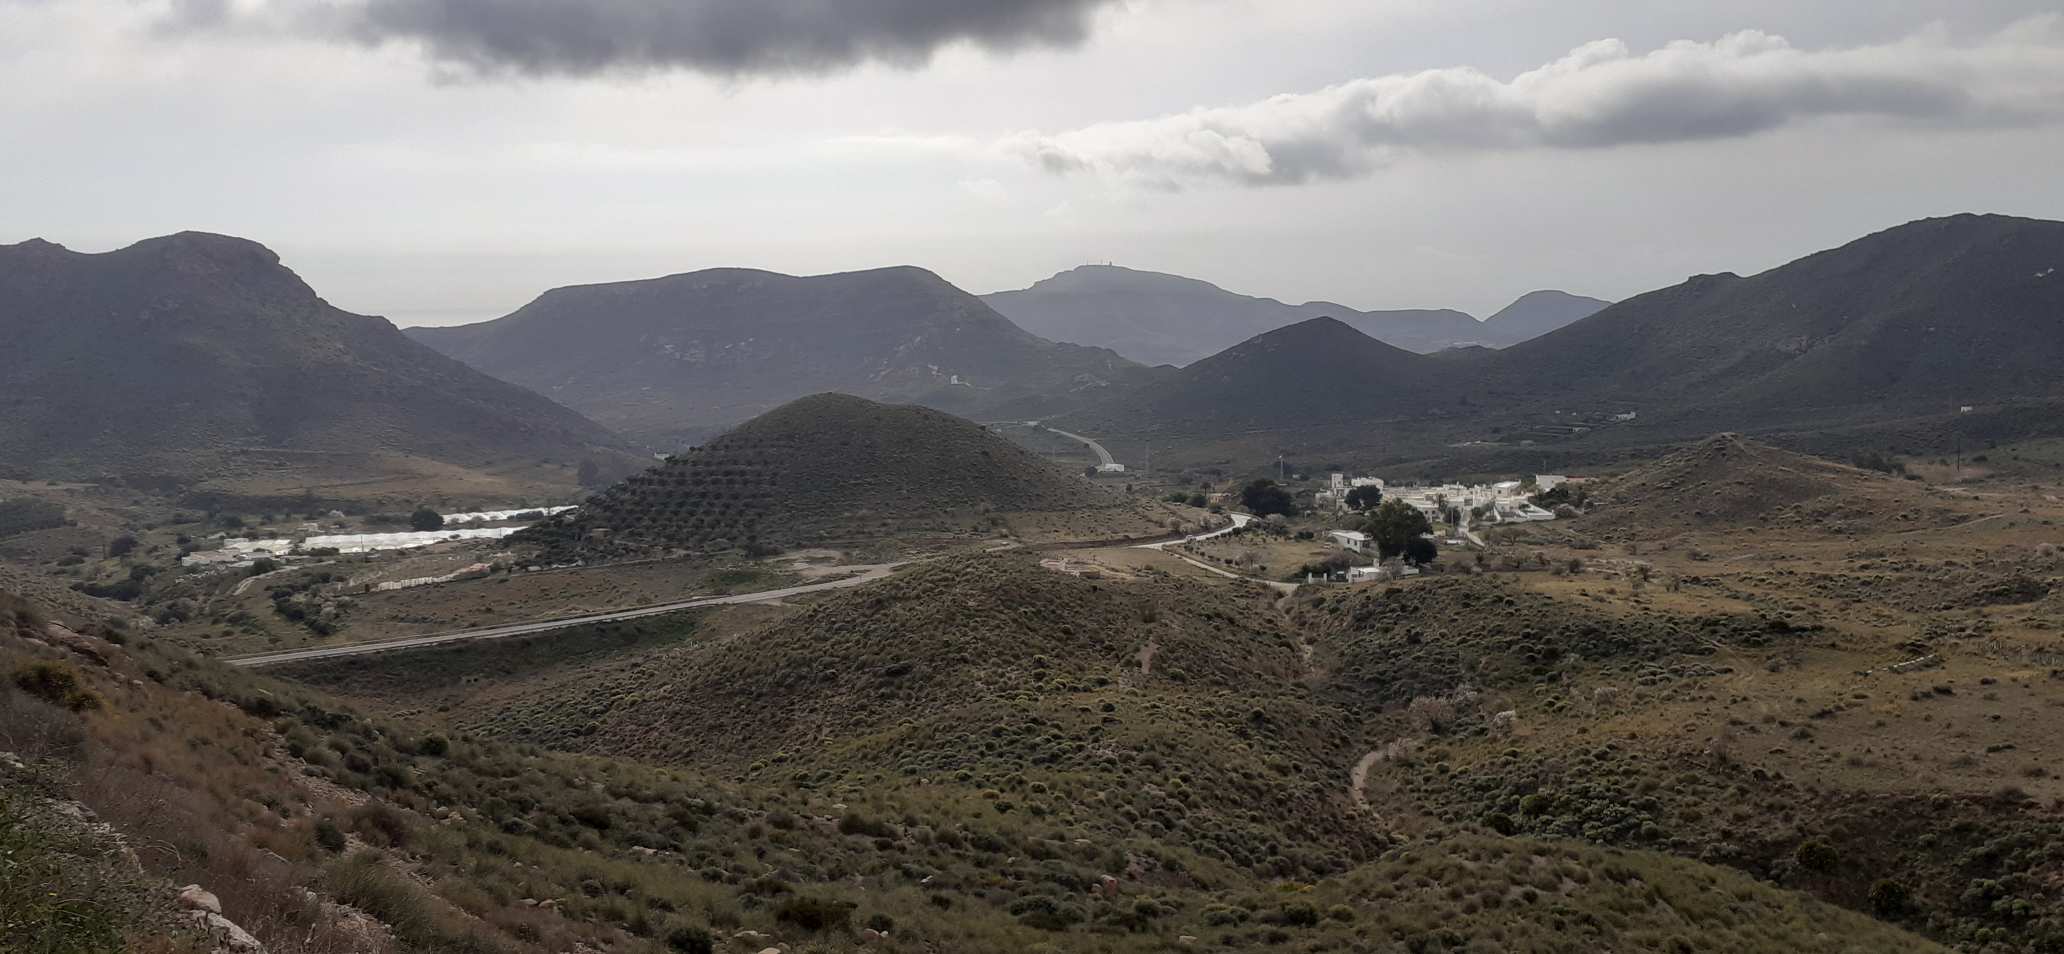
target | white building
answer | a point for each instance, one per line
(1544, 483)
(1350, 540)
(1113, 468)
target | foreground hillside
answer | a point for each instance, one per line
(834, 468)
(318, 829)
(199, 361)
(1824, 679)
(672, 360)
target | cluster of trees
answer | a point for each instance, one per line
(1361, 499)
(1399, 530)
(1265, 497)
(26, 514)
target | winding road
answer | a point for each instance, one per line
(866, 574)
(1104, 458)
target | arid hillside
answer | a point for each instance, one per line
(1730, 481)
(834, 468)
(199, 361)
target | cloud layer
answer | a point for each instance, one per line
(1600, 95)
(720, 37)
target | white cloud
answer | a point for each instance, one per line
(985, 189)
(1600, 95)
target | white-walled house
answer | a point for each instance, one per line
(1354, 540)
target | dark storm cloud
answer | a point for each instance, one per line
(721, 37)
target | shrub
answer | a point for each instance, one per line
(690, 939)
(121, 546)
(45, 904)
(57, 685)
(1295, 914)
(381, 824)
(813, 913)
(426, 519)
(1890, 899)
(328, 836)
(21, 516)
(1815, 854)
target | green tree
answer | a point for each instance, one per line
(1394, 526)
(1265, 497)
(426, 519)
(1419, 551)
(1364, 498)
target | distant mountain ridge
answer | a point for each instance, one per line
(1158, 318)
(180, 355)
(1912, 321)
(674, 359)
(1938, 312)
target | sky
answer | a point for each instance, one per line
(443, 161)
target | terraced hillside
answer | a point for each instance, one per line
(834, 468)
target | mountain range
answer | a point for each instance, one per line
(1934, 313)
(1158, 318)
(197, 356)
(193, 356)
(672, 360)
(1924, 318)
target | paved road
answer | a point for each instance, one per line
(867, 574)
(1104, 457)
(1239, 520)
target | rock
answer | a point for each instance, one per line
(870, 935)
(771, 950)
(1186, 939)
(195, 898)
(750, 936)
(1929, 661)
(642, 850)
(227, 936)
(1109, 886)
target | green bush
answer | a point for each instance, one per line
(57, 685)
(328, 836)
(1890, 900)
(812, 913)
(43, 907)
(690, 939)
(1815, 854)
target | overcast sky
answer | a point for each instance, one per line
(438, 161)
